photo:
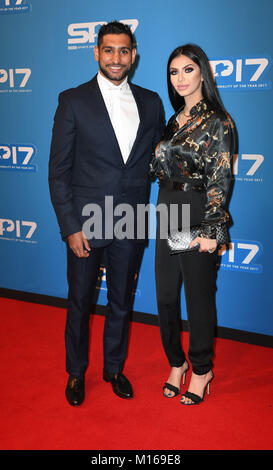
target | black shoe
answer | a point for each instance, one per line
(171, 387)
(121, 386)
(196, 399)
(74, 391)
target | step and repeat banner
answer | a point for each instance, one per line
(47, 46)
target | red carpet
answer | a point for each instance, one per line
(35, 414)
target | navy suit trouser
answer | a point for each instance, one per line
(121, 259)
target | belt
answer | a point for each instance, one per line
(187, 187)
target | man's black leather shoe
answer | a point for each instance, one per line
(74, 391)
(121, 386)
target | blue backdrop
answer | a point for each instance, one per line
(47, 47)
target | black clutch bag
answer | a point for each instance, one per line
(179, 240)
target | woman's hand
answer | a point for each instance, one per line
(206, 244)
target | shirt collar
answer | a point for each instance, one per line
(105, 84)
(199, 107)
(195, 111)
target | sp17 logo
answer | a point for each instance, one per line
(246, 166)
(17, 157)
(242, 256)
(14, 79)
(86, 33)
(241, 73)
(17, 230)
(14, 6)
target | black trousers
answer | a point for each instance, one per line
(198, 272)
(121, 259)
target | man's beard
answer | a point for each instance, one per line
(115, 78)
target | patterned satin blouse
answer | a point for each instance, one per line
(201, 152)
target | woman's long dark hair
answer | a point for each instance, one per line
(209, 90)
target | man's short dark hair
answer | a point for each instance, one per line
(116, 28)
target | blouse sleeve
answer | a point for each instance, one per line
(218, 172)
(161, 164)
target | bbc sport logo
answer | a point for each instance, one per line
(18, 230)
(14, 6)
(242, 73)
(84, 35)
(242, 256)
(17, 157)
(15, 80)
(248, 168)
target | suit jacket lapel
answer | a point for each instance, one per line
(102, 116)
(140, 107)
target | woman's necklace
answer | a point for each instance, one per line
(186, 115)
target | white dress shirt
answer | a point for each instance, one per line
(123, 112)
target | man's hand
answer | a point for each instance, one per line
(79, 244)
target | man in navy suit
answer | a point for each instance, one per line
(103, 137)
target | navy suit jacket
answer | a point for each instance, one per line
(85, 159)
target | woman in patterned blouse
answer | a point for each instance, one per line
(193, 163)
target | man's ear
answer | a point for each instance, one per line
(96, 53)
(133, 54)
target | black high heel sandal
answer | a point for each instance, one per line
(172, 388)
(196, 399)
